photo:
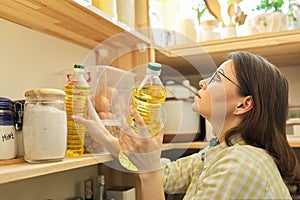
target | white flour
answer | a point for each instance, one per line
(44, 133)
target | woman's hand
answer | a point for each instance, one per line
(143, 149)
(97, 130)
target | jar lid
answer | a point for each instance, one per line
(6, 104)
(44, 91)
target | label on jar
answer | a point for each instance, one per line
(8, 146)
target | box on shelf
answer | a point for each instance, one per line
(121, 193)
(293, 126)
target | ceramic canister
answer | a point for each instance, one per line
(8, 146)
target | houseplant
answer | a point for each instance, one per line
(294, 14)
(270, 6)
(236, 18)
(270, 17)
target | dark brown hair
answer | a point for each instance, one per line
(265, 125)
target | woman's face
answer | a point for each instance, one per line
(218, 95)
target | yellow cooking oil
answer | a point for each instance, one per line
(76, 104)
(147, 101)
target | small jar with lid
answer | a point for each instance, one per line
(44, 125)
(8, 145)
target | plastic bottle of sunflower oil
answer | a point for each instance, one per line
(77, 91)
(147, 99)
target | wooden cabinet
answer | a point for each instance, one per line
(84, 25)
(17, 169)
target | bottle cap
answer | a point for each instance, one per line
(154, 66)
(78, 66)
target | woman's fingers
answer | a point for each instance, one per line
(91, 110)
(138, 119)
(161, 132)
(79, 120)
(140, 123)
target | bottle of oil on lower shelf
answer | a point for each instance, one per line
(77, 91)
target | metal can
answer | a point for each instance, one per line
(44, 125)
(8, 146)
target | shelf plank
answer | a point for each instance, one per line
(294, 142)
(81, 24)
(24, 170)
(184, 145)
(18, 169)
(87, 26)
(280, 48)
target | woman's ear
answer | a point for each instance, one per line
(245, 105)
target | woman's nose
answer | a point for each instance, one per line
(202, 84)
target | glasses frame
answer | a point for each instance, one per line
(220, 71)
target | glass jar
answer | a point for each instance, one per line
(8, 145)
(44, 125)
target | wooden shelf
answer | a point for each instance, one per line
(79, 23)
(280, 48)
(294, 142)
(184, 145)
(87, 26)
(10, 171)
(18, 169)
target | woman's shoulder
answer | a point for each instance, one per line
(250, 153)
(242, 155)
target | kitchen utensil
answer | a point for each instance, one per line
(231, 13)
(214, 8)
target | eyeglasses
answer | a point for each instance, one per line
(216, 77)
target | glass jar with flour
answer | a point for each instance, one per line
(44, 125)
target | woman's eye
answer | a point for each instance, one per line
(217, 77)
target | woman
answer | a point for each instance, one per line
(246, 101)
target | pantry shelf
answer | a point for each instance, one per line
(18, 169)
(83, 24)
(185, 145)
(294, 142)
(280, 48)
(22, 170)
(74, 21)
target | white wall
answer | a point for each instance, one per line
(30, 59)
(292, 74)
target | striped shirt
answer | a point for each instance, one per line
(221, 172)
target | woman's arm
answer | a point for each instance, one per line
(144, 151)
(152, 185)
(97, 130)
